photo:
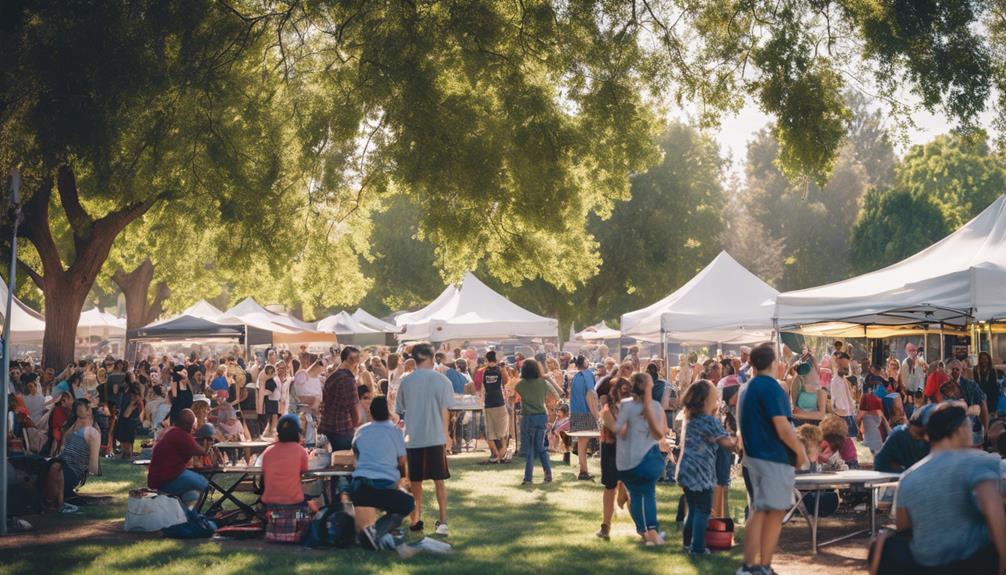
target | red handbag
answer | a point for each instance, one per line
(720, 534)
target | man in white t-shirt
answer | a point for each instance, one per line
(913, 370)
(843, 403)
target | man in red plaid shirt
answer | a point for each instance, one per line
(340, 416)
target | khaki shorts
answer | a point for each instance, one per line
(497, 423)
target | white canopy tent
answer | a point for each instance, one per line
(343, 323)
(95, 322)
(283, 328)
(597, 332)
(962, 277)
(723, 303)
(363, 316)
(474, 312)
(27, 326)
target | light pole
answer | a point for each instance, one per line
(15, 211)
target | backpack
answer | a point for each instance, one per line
(196, 526)
(331, 527)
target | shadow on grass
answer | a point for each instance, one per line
(497, 526)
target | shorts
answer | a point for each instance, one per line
(582, 422)
(270, 407)
(428, 463)
(70, 482)
(609, 472)
(724, 462)
(771, 484)
(497, 423)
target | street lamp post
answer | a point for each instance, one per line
(15, 184)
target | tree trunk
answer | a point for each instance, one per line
(64, 299)
(66, 288)
(140, 310)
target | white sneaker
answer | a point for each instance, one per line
(69, 508)
(441, 529)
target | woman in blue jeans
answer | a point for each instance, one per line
(534, 391)
(639, 426)
(704, 435)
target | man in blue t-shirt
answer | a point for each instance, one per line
(765, 419)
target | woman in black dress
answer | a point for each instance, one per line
(180, 394)
(129, 420)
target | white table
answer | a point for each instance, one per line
(853, 478)
(589, 434)
(243, 444)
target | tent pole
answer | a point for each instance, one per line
(777, 337)
(15, 185)
(989, 329)
(942, 355)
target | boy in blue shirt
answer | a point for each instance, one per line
(765, 419)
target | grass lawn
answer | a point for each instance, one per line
(496, 525)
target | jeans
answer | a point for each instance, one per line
(189, 486)
(850, 420)
(641, 481)
(396, 503)
(532, 435)
(339, 441)
(700, 505)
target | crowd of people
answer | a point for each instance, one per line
(699, 423)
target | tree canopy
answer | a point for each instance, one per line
(937, 187)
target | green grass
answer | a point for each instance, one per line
(497, 526)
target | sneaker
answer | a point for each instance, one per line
(584, 476)
(700, 553)
(417, 526)
(748, 570)
(766, 570)
(69, 508)
(604, 532)
(548, 479)
(368, 538)
(441, 529)
(526, 482)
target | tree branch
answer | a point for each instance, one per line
(34, 275)
(37, 231)
(66, 184)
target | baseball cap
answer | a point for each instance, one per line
(288, 420)
(921, 415)
(205, 432)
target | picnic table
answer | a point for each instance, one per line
(253, 474)
(865, 479)
(243, 444)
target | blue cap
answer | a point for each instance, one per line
(288, 420)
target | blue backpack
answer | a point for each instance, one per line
(196, 526)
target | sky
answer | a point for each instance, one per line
(736, 131)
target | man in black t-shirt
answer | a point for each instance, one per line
(494, 380)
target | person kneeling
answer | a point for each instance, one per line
(380, 467)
